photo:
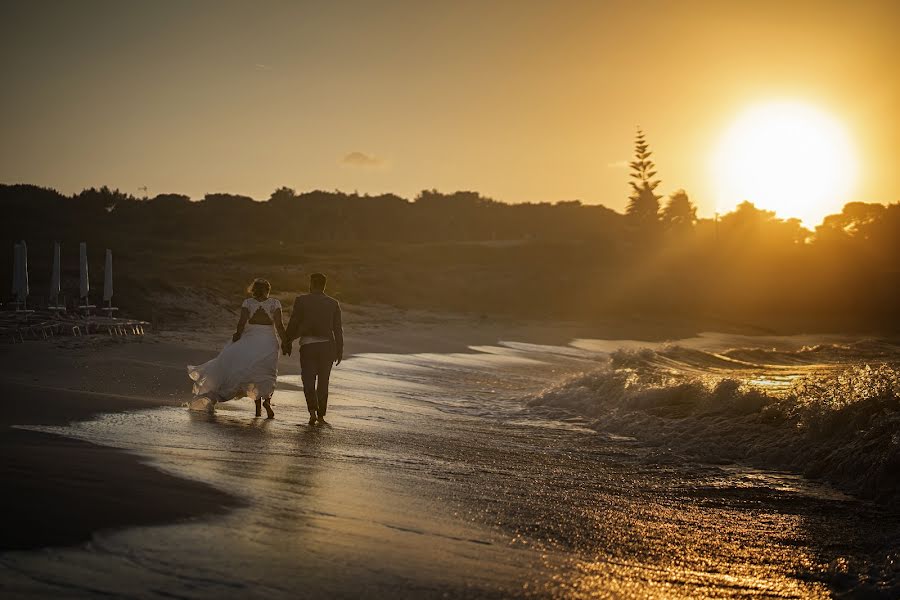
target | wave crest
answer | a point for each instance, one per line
(838, 421)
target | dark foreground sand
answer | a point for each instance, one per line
(61, 490)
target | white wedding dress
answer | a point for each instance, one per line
(247, 367)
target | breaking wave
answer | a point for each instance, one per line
(828, 411)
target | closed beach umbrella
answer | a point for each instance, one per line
(17, 251)
(85, 286)
(22, 272)
(107, 277)
(55, 286)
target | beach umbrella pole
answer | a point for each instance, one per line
(108, 283)
(21, 277)
(84, 282)
(17, 275)
(55, 280)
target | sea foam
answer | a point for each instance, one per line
(829, 411)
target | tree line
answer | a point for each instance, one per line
(432, 216)
(561, 259)
(313, 216)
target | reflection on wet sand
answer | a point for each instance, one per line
(433, 478)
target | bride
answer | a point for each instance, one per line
(248, 365)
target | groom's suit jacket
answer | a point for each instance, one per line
(317, 314)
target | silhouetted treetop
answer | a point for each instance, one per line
(754, 226)
(283, 194)
(228, 200)
(854, 221)
(643, 205)
(170, 200)
(679, 213)
(434, 199)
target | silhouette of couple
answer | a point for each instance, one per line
(248, 365)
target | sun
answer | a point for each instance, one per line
(789, 157)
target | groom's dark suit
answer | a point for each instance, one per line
(316, 320)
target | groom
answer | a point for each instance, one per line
(316, 320)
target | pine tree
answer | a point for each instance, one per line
(643, 205)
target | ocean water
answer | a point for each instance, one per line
(598, 469)
(829, 409)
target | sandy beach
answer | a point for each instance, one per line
(434, 478)
(66, 489)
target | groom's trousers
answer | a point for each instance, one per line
(316, 360)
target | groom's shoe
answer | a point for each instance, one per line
(312, 418)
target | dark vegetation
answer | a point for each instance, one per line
(465, 252)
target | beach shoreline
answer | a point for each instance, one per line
(66, 490)
(430, 453)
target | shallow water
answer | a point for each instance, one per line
(436, 478)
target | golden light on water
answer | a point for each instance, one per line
(789, 157)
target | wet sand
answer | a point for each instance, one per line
(66, 490)
(434, 479)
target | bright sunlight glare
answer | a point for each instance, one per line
(788, 157)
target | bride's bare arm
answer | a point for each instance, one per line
(245, 316)
(279, 325)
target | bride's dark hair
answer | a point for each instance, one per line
(259, 288)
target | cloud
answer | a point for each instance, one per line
(262, 67)
(361, 159)
(619, 164)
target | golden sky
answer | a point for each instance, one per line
(522, 101)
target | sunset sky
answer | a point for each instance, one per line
(521, 101)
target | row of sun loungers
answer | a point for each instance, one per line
(18, 324)
(42, 325)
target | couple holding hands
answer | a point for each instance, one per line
(248, 365)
